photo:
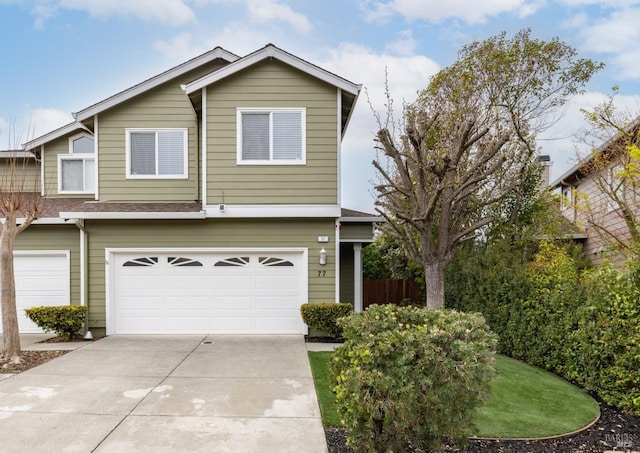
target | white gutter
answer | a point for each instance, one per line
(132, 215)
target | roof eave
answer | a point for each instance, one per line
(61, 131)
(271, 51)
(131, 215)
(216, 53)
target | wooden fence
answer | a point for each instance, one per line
(390, 292)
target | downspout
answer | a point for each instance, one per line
(83, 273)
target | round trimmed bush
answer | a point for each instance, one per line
(408, 377)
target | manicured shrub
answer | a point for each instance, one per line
(64, 320)
(407, 377)
(324, 316)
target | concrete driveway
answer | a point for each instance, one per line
(166, 394)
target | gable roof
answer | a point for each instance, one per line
(89, 112)
(350, 90)
(271, 51)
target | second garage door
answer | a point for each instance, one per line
(42, 278)
(207, 292)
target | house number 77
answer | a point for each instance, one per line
(322, 273)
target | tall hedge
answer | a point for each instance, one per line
(547, 311)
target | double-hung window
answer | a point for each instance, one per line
(156, 153)
(271, 136)
(77, 170)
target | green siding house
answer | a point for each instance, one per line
(203, 200)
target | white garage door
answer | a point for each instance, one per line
(213, 292)
(42, 278)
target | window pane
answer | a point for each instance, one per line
(72, 179)
(89, 175)
(171, 153)
(287, 136)
(83, 145)
(255, 136)
(143, 153)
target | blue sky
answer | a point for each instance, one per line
(60, 56)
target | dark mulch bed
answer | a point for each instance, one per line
(30, 359)
(614, 430)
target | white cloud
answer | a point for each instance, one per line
(171, 12)
(404, 45)
(32, 124)
(438, 10)
(617, 35)
(43, 120)
(576, 21)
(264, 11)
(601, 3)
(238, 38)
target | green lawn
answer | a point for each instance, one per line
(525, 401)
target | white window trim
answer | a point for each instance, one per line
(271, 161)
(185, 132)
(566, 197)
(80, 156)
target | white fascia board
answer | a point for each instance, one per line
(363, 241)
(153, 82)
(45, 221)
(60, 132)
(271, 51)
(361, 219)
(133, 215)
(272, 211)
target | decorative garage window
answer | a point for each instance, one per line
(271, 136)
(156, 153)
(178, 261)
(77, 170)
(235, 261)
(144, 261)
(270, 261)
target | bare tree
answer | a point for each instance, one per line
(611, 209)
(467, 144)
(20, 204)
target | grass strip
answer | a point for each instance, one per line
(525, 401)
(326, 398)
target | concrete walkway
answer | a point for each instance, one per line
(166, 394)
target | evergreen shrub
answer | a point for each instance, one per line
(407, 377)
(64, 320)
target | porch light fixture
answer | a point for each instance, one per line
(323, 256)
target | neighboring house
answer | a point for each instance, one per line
(585, 201)
(203, 200)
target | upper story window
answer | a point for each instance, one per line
(156, 153)
(567, 197)
(271, 136)
(77, 170)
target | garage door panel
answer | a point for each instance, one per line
(232, 282)
(135, 324)
(220, 293)
(275, 324)
(232, 302)
(185, 324)
(197, 303)
(41, 278)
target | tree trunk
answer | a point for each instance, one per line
(434, 281)
(11, 336)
